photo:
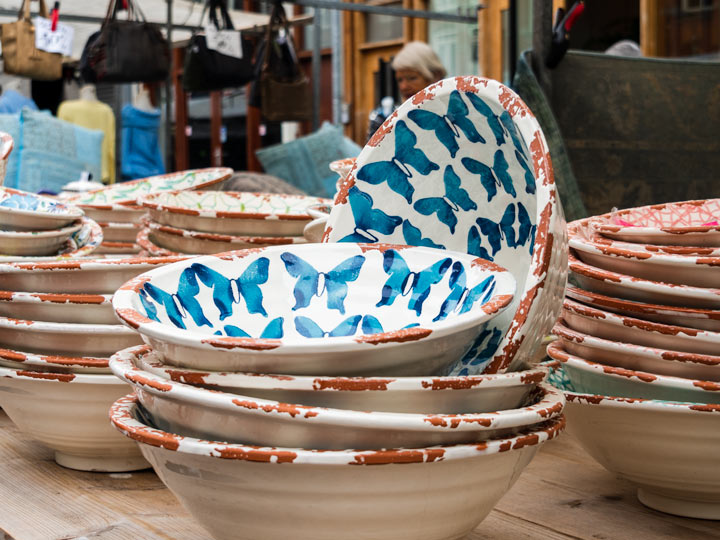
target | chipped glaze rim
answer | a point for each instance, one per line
(342, 166)
(55, 298)
(64, 328)
(85, 264)
(658, 405)
(6, 145)
(54, 361)
(143, 240)
(50, 377)
(66, 231)
(225, 238)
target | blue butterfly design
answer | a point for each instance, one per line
(491, 177)
(495, 232)
(402, 280)
(447, 126)
(310, 329)
(334, 282)
(493, 119)
(475, 357)
(474, 244)
(368, 218)
(396, 172)
(445, 207)
(461, 295)
(526, 230)
(413, 236)
(521, 151)
(177, 305)
(273, 330)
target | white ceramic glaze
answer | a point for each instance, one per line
(314, 231)
(119, 249)
(199, 412)
(477, 393)
(235, 491)
(145, 240)
(68, 413)
(317, 309)
(69, 308)
(119, 232)
(464, 165)
(6, 146)
(638, 357)
(232, 212)
(24, 211)
(37, 243)
(115, 213)
(342, 166)
(607, 325)
(611, 283)
(57, 364)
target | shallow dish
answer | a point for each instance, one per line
(68, 413)
(606, 325)
(65, 338)
(145, 241)
(6, 146)
(237, 489)
(627, 355)
(199, 412)
(126, 249)
(87, 276)
(479, 183)
(611, 283)
(56, 364)
(317, 309)
(119, 232)
(232, 212)
(187, 241)
(67, 308)
(689, 223)
(314, 231)
(478, 393)
(115, 213)
(704, 319)
(24, 211)
(37, 243)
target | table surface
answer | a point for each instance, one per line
(562, 494)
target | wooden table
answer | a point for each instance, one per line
(562, 494)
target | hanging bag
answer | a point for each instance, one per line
(20, 57)
(125, 51)
(206, 69)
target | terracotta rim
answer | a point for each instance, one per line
(50, 377)
(55, 298)
(143, 240)
(54, 361)
(226, 238)
(86, 264)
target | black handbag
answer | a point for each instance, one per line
(125, 51)
(206, 69)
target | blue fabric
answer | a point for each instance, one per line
(13, 102)
(141, 155)
(10, 123)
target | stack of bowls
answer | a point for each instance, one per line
(207, 222)
(6, 146)
(263, 369)
(116, 209)
(57, 332)
(640, 337)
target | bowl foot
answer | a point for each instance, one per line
(102, 463)
(679, 507)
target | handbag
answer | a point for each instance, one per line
(206, 69)
(125, 51)
(20, 57)
(285, 92)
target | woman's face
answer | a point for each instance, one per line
(410, 82)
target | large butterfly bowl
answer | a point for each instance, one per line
(317, 309)
(463, 165)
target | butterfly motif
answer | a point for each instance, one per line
(370, 325)
(334, 282)
(445, 207)
(368, 218)
(474, 244)
(495, 232)
(492, 177)
(413, 236)
(273, 330)
(520, 151)
(475, 357)
(310, 329)
(403, 281)
(396, 172)
(493, 119)
(448, 126)
(460, 295)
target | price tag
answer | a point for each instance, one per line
(226, 42)
(59, 41)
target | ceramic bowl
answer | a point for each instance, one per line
(121, 249)
(606, 325)
(65, 338)
(343, 166)
(629, 356)
(687, 269)
(234, 491)
(68, 308)
(68, 413)
(704, 319)
(317, 211)
(89, 276)
(690, 223)
(127, 193)
(6, 146)
(53, 363)
(619, 285)
(481, 183)
(314, 231)
(187, 241)
(119, 232)
(146, 242)
(317, 309)
(478, 393)
(668, 450)
(37, 243)
(23, 211)
(232, 212)
(115, 213)
(595, 378)
(199, 412)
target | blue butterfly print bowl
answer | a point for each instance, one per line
(24, 211)
(317, 309)
(463, 165)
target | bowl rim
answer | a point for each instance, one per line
(66, 231)
(219, 237)
(15, 355)
(123, 304)
(50, 377)
(673, 407)
(639, 230)
(8, 143)
(71, 211)
(55, 298)
(143, 240)
(62, 327)
(86, 264)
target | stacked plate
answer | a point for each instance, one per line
(640, 339)
(263, 368)
(6, 146)
(116, 209)
(207, 222)
(57, 332)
